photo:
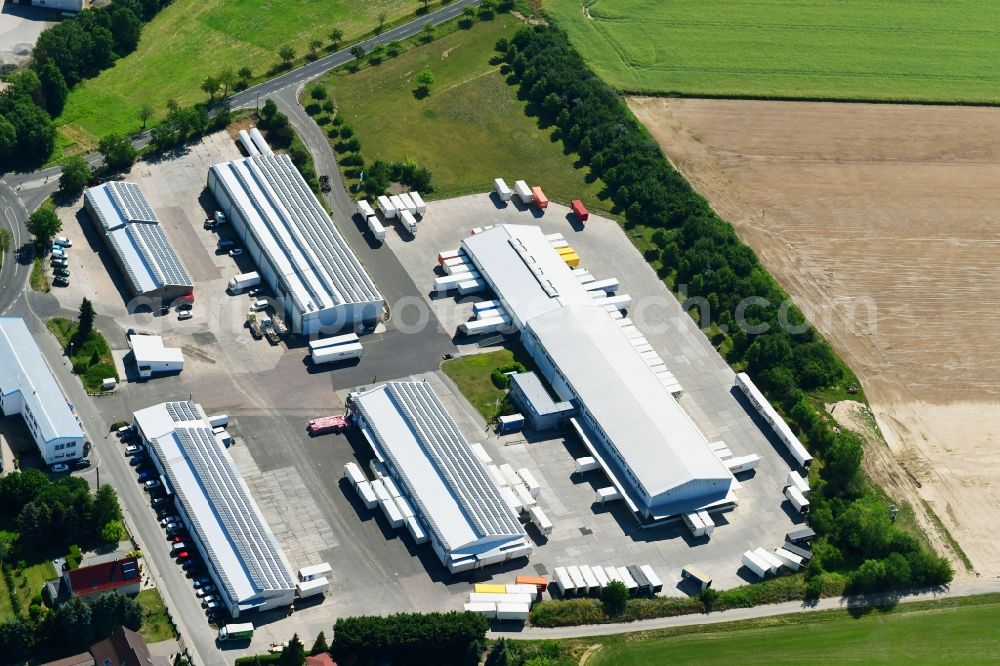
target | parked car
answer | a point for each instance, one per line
(65, 242)
(58, 253)
(146, 474)
(57, 261)
(235, 252)
(183, 315)
(181, 307)
(126, 431)
(189, 564)
(203, 582)
(60, 281)
(213, 605)
(169, 519)
(134, 449)
(82, 463)
(182, 555)
(151, 485)
(59, 468)
(177, 538)
(160, 501)
(61, 272)
(211, 599)
(205, 590)
(225, 244)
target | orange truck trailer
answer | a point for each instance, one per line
(539, 197)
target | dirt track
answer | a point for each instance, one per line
(883, 223)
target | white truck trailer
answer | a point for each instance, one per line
(742, 463)
(365, 209)
(529, 481)
(796, 480)
(755, 564)
(586, 464)
(408, 202)
(408, 221)
(397, 203)
(694, 524)
(789, 559)
(773, 563)
(376, 227)
(312, 587)
(563, 582)
(523, 192)
(540, 520)
(386, 206)
(367, 495)
(500, 187)
(798, 500)
(418, 201)
(337, 353)
(513, 612)
(238, 283)
(773, 419)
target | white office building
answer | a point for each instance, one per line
(28, 388)
(153, 358)
(296, 246)
(243, 556)
(628, 417)
(456, 501)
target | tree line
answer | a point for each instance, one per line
(64, 55)
(47, 516)
(787, 358)
(409, 638)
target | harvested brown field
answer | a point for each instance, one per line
(883, 223)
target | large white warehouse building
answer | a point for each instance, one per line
(628, 416)
(458, 503)
(243, 557)
(132, 231)
(28, 388)
(297, 248)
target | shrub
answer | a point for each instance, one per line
(499, 376)
(613, 598)
(74, 556)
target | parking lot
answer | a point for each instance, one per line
(270, 393)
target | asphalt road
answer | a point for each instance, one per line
(293, 78)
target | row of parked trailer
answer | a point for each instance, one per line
(404, 207)
(795, 491)
(793, 555)
(525, 194)
(768, 413)
(382, 492)
(337, 348)
(518, 488)
(584, 580)
(506, 601)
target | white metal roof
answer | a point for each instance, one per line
(23, 369)
(226, 519)
(134, 232)
(527, 274)
(150, 349)
(449, 484)
(662, 446)
(294, 231)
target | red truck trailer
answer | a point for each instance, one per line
(580, 210)
(539, 197)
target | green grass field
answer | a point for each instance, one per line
(92, 359)
(851, 49)
(155, 623)
(472, 375)
(193, 39)
(469, 130)
(913, 633)
(29, 581)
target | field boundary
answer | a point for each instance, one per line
(625, 92)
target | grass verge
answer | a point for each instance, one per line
(472, 376)
(6, 609)
(470, 129)
(156, 624)
(91, 358)
(39, 281)
(925, 51)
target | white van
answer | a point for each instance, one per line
(259, 305)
